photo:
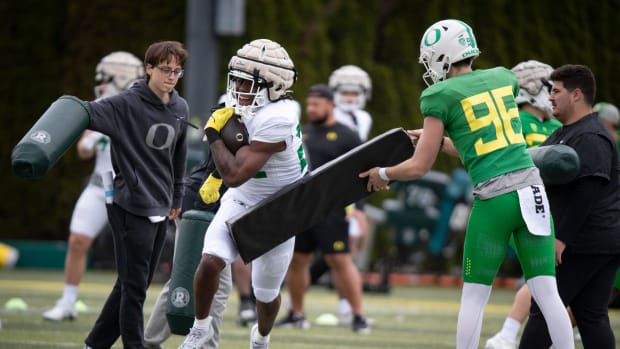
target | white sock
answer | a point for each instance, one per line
(510, 329)
(69, 294)
(259, 338)
(203, 323)
(344, 307)
(473, 300)
(545, 292)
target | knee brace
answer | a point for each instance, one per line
(269, 270)
(266, 295)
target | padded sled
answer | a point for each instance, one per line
(306, 202)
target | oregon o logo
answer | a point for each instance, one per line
(165, 139)
(429, 40)
(41, 136)
(338, 245)
(179, 297)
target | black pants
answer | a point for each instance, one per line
(585, 283)
(137, 246)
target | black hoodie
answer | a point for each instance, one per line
(148, 147)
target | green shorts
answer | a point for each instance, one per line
(491, 225)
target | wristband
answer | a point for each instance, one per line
(383, 174)
(212, 135)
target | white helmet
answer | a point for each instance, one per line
(607, 111)
(534, 84)
(443, 44)
(118, 69)
(350, 78)
(268, 66)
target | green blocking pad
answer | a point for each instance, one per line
(187, 255)
(306, 202)
(557, 163)
(50, 137)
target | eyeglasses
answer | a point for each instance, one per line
(167, 71)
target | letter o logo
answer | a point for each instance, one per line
(432, 37)
(151, 136)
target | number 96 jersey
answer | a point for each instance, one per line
(480, 115)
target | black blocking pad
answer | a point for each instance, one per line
(307, 201)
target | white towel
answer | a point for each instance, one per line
(535, 209)
(156, 219)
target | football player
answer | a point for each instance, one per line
(260, 75)
(537, 123)
(610, 116)
(324, 140)
(352, 88)
(537, 120)
(477, 109)
(113, 74)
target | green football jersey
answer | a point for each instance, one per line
(535, 131)
(481, 117)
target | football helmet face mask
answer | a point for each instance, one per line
(115, 73)
(534, 85)
(261, 72)
(352, 87)
(443, 44)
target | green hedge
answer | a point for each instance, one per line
(51, 47)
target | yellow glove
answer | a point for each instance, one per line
(219, 118)
(210, 190)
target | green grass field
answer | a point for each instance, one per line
(408, 317)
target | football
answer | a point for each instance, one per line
(234, 134)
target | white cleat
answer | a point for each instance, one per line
(258, 343)
(61, 312)
(499, 342)
(197, 337)
(345, 318)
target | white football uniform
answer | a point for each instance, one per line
(275, 122)
(357, 120)
(89, 215)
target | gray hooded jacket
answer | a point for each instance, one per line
(148, 147)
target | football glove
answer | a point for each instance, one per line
(219, 118)
(210, 189)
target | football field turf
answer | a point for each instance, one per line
(408, 317)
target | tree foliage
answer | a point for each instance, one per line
(50, 48)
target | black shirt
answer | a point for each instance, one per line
(323, 144)
(586, 211)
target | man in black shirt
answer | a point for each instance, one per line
(324, 140)
(586, 214)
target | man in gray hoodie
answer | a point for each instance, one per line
(147, 127)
